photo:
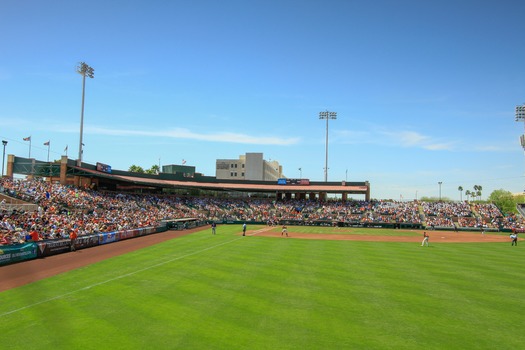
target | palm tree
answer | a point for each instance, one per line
(479, 191)
(460, 189)
(467, 193)
(155, 170)
(475, 192)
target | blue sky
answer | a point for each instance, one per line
(425, 92)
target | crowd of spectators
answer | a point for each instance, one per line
(447, 209)
(61, 210)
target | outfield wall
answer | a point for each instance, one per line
(10, 254)
(388, 225)
(329, 223)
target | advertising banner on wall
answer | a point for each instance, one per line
(128, 234)
(18, 252)
(52, 247)
(86, 241)
(105, 238)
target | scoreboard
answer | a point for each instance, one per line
(303, 182)
(103, 168)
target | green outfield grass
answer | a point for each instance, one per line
(231, 292)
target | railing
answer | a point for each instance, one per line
(18, 207)
(521, 209)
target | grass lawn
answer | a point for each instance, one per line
(232, 292)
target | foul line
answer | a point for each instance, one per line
(261, 230)
(117, 278)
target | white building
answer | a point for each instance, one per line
(250, 166)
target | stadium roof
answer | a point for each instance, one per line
(273, 187)
(329, 187)
(163, 180)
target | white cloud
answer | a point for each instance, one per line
(417, 140)
(401, 138)
(409, 138)
(439, 146)
(180, 133)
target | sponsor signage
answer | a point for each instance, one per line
(53, 247)
(223, 166)
(148, 230)
(103, 168)
(86, 241)
(18, 252)
(105, 238)
(128, 234)
(304, 182)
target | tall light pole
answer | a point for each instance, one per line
(327, 115)
(86, 71)
(520, 117)
(439, 183)
(4, 142)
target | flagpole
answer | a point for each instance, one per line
(48, 146)
(28, 139)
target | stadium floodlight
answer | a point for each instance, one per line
(86, 71)
(327, 115)
(520, 117)
(4, 142)
(520, 113)
(440, 183)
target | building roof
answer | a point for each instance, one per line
(234, 186)
(270, 187)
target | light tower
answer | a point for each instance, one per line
(520, 117)
(4, 142)
(327, 115)
(86, 71)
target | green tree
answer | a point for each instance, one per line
(477, 191)
(155, 170)
(460, 189)
(136, 169)
(504, 200)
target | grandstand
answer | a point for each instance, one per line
(67, 172)
(39, 214)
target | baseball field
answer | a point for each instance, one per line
(320, 288)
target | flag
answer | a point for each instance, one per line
(65, 149)
(183, 162)
(46, 143)
(27, 138)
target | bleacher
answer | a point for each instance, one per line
(34, 210)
